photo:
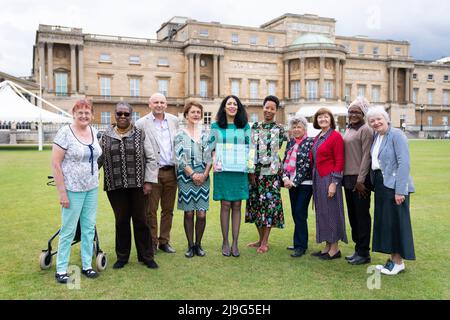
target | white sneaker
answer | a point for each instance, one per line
(393, 269)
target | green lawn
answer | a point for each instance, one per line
(30, 214)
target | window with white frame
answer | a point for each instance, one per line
(134, 87)
(430, 96)
(203, 88)
(105, 86)
(271, 41)
(347, 92)
(272, 88)
(295, 89)
(105, 117)
(203, 32)
(445, 97)
(376, 93)
(253, 40)
(414, 96)
(163, 87)
(430, 77)
(135, 116)
(398, 51)
(311, 86)
(234, 38)
(445, 120)
(105, 57)
(361, 90)
(135, 60)
(376, 51)
(254, 88)
(430, 121)
(163, 62)
(61, 83)
(207, 117)
(235, 87)
(328, 89)
(361, 48)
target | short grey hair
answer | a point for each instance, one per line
(378, 111)
(125, 104)
(297, 119)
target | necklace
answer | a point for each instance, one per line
(123, 132)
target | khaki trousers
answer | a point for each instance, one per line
(165, 192)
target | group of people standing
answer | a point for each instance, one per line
(147, 162)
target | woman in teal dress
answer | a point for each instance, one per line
(193, 157)
(230, 138)
(264, 206)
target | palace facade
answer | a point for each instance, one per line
(298, 58)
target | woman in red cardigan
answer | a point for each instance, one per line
(327, 156)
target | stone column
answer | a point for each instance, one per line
(50, 66)
(42, 64)
(215, 77)
(407, 83)
(396, 85)
(221, 77)
(391, 84)
(338, 78)
(302, 79)
(197, 74)
(321, 79)
(191, 74)
(81, 68)
(286, 79)
(73, 69)
(342, 78)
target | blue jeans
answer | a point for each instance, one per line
(300, 197)
(83, 207)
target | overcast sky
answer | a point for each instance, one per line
(424, 23)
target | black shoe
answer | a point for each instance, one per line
(318, 254)
(199, 251)
(90, 273)
(190, 252)
(298, 253)
(290, 248)
(62, 278)
(119, 264)
(358, 260)
(167, 248)
(327, 256)
(151, 264)
(353, 256)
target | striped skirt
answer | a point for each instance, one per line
(190, 196)
(330, 218)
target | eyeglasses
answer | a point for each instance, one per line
(120, 114)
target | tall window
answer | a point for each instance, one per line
(376, 93)
(430, 94)
(328, 88)
(235, 87)
(271, 41)
(134, 87)
(445, 97)
(253, 40)
(445, 120)
(415, 93)
(203, 88)
(207, 116)
(361, 49)
(376, 51)
(135, 116)
(430, 121)
(105, 117)
(295, 89)
(272, 88)
(61, 84)
(234, 38)
(163, 87)
(312, 89)
(254, 117)
(348, 92)
(254, 86)
(105, 86)
(361, 91)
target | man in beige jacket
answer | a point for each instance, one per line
(161, 128)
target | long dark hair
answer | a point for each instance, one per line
(241, 118)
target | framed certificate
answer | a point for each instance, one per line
(231, 157)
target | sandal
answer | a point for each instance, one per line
(62, 278)
(254, 244)
(262, 249)
(90, 273)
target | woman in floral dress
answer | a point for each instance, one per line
(264, 206)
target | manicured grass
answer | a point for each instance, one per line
(30, 214)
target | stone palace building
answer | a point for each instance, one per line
(298, 58)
